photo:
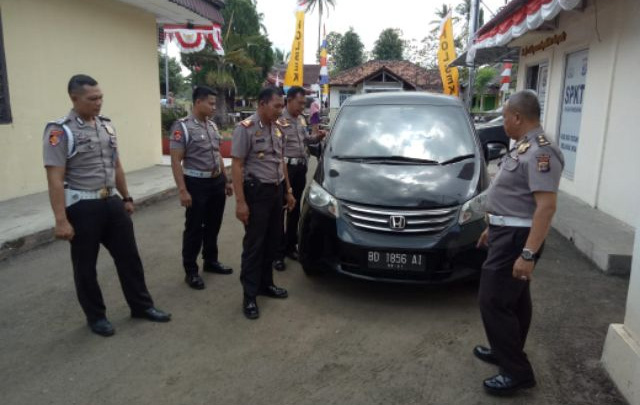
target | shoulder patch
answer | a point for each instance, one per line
(55, 135)
(246, 123)
(544, 163)
(104, 118)
(542, 140)
(177, 135)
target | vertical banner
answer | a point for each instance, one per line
(446, 55)
(324, 71)
(295, 74)
(572, 101)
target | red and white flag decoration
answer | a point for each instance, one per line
(505, 77)
(195, 38)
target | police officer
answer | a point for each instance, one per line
(259, 175)
(296, 138)
(198, 169)
(83, 173)
(521, 203)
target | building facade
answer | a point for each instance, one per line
(45, 42)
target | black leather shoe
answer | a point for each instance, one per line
(503, 385)
(293, 255)
(279, 265)
(274, 292)
(195, 281)
(484, 354)
(152, 314)
(250, 308)
(217, 267)
(102, 327)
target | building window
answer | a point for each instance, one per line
(344, 95)
(5, 108)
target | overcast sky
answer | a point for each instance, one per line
(367, 17)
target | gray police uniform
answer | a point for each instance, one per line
(297, 138)
(205, 181)
(89, 155)
(534, 164)
(261, 148)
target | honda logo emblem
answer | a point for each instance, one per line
(397, 222)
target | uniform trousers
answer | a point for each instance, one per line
(105, 222)
(298, 180)
(505, 302)
(202, 221)
(262, 236)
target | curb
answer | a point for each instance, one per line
(26, 243)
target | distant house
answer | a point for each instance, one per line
(382, 75)
(311, 75)
(44, 42)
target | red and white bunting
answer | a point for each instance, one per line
(505, 77)
(194, 39)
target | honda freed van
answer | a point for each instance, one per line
(398, 192)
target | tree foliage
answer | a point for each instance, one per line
(389, 45)
(350, 52)
(484, 76)
(177, 82)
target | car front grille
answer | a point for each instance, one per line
(405, 221)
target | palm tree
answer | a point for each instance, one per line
(441, 13)
(280, 56)
(322, 5)
(220, 76)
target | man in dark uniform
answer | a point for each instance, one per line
(83, 173)
(198, 169)
(296, 138)
(521, 203)
(259, 174)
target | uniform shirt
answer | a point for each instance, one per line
(296, 135)
(93, 158)
(202, 148)
(533, 164)
(261, 148)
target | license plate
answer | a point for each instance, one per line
(396, 261)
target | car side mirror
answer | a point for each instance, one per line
(494, 150)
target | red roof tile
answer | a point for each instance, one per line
(414, 75)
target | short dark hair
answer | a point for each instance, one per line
(78, 81)
(294, 91)
(202, 92)
(526, 103)
(267, 93)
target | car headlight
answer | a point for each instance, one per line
(473, 209)
(321, 200)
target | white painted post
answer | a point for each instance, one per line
(621, 354)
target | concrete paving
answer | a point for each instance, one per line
(334, 341)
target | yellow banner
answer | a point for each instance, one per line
(446, 55)
(294, 75)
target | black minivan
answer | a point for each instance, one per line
(398, 193)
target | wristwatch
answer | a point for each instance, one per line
(528, 255)
(128, 199)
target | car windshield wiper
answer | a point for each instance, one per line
(392, 158)
(457, 159)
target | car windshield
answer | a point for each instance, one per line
(420, 132)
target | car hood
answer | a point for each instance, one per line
(401, 185)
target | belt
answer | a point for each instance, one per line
(296, 161)
(499, 220)
(73, 196)
(201, 174)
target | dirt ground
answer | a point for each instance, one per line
(334, 341)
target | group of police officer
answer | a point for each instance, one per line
(268, 175)
(85, 175)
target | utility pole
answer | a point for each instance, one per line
(473, 27)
